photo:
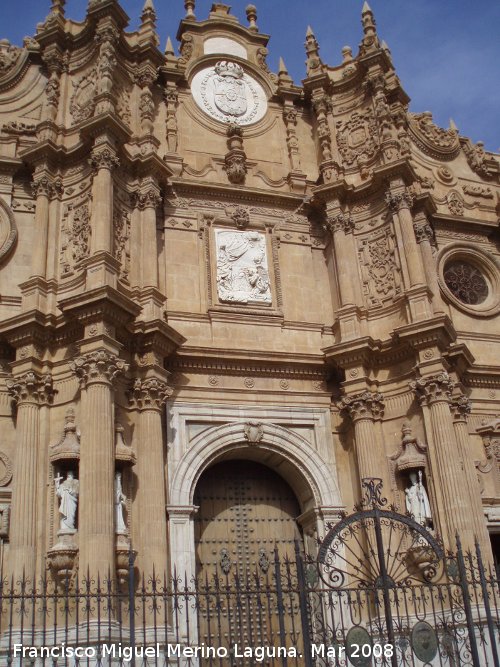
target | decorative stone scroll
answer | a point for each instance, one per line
(433, 140)
(242, 268)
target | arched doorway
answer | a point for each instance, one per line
(245, 511)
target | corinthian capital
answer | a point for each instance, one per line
(149, 394)
(99, 367)
(103, 158)
(31, 388)
(340, 222)
(400, 200)
(149, 198)
(365, 405)
(433, 388)
(460, 408)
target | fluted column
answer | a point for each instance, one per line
(103, 159)
(44, 188)
(435, 392)
(96, 371)
(364, 408)
(30, 391)
(147, 200)
(148, 396)
(400, 204)
(425, 238)
(341, 225)
(460, 408)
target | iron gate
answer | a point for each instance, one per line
(381, 591)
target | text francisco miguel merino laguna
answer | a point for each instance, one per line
(126, 653)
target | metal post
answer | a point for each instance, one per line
(467, 605)
(486, 601)
(385, 586)
(304, 615)
(279, 601)
(131, 603)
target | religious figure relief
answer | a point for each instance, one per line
(68, 492)
(120, 504)
(242, 269)
(417, 501)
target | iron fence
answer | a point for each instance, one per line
(380, 591)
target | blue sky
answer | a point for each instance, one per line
(446, 53)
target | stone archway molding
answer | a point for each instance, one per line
(284, 451)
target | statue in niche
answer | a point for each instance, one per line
(120, 503)
(417, 501)
(242, 272)
(68, 492)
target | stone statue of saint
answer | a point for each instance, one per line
(120, 500)
(417, 501)
(68, 492)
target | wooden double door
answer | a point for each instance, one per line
(246, 510)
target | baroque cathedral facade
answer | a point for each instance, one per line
(226, 299)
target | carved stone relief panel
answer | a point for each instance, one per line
(75, 234)
(380, 268)
(121, 239)
(357, 138)
(242, 267)
(83, 100)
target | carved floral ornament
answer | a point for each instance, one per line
(470, 278)
(8, 230)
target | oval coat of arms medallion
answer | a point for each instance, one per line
(8, 230)
(227, 94)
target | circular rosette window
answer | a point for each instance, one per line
(469, 278)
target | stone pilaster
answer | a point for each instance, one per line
(365, 408)
(434, 392)
(460, 409)
(30, 390)
(148, 396)
(96, 371)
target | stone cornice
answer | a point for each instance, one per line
(101, 303)
(436, 331)
(282, 367)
